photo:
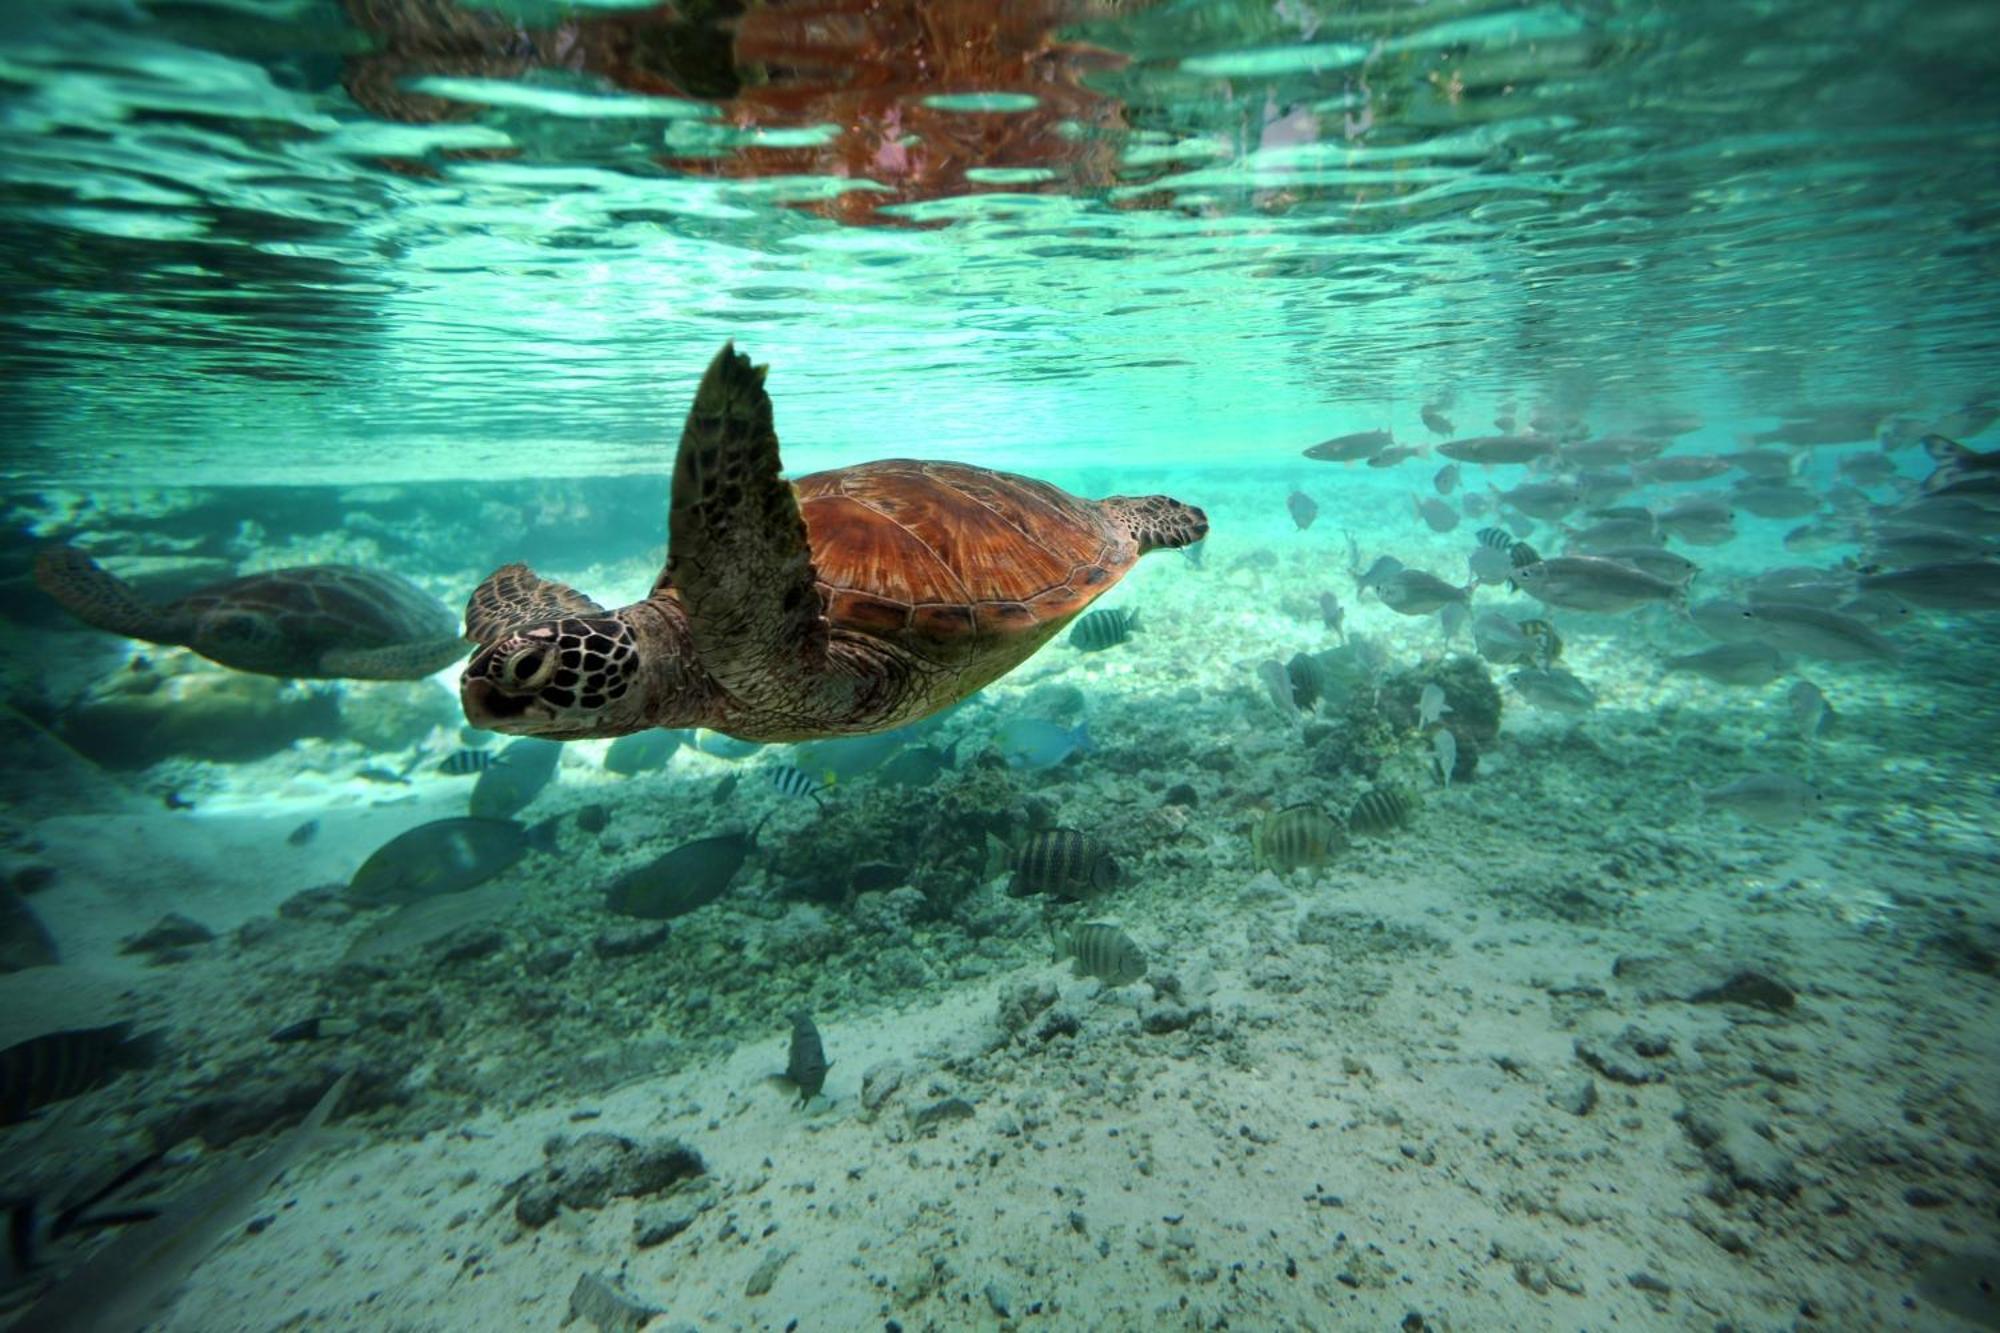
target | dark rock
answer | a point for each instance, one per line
(1021, 1004)
(1181, 793)
(592, 1169)
(1922, 1196)
(31, 877)
(607, 1308)
(548, 960)
(327, 902)
(1062, 1022)
(1578, 1097)
(1622, 1058)
(172, 931)
(656, 1224)
(938, 1113)
(630, 941)
(879, 1083)
(1735, 1150)
(469, 944)
(24, 941)
(1705, 979)
(877, 877)
(594, 818)
(1162, 1016)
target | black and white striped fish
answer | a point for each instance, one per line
(1062, 863)
(59, 1065)
(1106, 628)
(1298, 835)
(464, 763)
(789, 781)
(1381, 811)
(1103, 951)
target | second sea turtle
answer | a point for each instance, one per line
(309, 622)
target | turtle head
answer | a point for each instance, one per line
(564, 679)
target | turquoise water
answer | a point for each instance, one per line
(1627, 990)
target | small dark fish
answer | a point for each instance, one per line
(316, 1029)
(642, 751)
(303, 834)
(1436, 421)
(173, 800)
(443, 856)
(59, 1065)
(1379, 812)
(689, 877)
(789, 781)
(515, 778)
(1061, 863)
(1311, 680)
(1435, 513)
(1350, 448)
(1098, 630)
(1950, 453)
(594, 818)
(464, 763)
(1297, 836)
(1413, 592)
(724, 789)
(1555, 689)
(1445, 481)
(1303, 509)
(1333, 613)
(1103, 951)
(806, 1066)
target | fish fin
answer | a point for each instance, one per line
(1132, 621)
(140, 1052)
(542, 835)
(950, 756)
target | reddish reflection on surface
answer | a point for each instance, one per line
(864, 72)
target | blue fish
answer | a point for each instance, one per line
(1028, 742)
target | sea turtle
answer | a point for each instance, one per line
(314, 621)
(845, 602)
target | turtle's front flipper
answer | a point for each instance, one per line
(397, 661)
(737, 556)
(100, 598)
(513, 596)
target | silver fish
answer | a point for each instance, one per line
(1622, 527)
(1677, 469)
(1774, 799)
(1350, 448)
(1554, 689)
(1412, 592)
(1548, 500)
(1491, 450)
(1444, 746)
(1767, 500)
(1435, 420)
(1748, 662)
(1813, 631)
(1811, 713)
(1765, 464)
(1277, 684)
(1614, 450)
(1655, 560)
(1431, 705)
(1499, 640)
(1446, 479)
(1593, 583)
(1700, 521)
(1436, 514)
(1952, 585)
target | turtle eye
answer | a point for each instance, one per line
(528, 668)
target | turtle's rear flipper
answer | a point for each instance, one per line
(98, 597)
(736, 546)
(1156, 521)
(513, 596)
(398, 661)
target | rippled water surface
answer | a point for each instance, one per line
(401, 238)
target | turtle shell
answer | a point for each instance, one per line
(283, 620)
(955, 562)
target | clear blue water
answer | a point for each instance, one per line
(426, 287)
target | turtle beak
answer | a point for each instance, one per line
(489, 706)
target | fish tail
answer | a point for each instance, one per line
(140, 1052)
(1081, 735)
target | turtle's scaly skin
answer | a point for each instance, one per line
(310, 622)
(850, 601)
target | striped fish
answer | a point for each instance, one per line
(1103, 951)
(1063, 863)
(1297, 836)
(1106, 628)
(59, 1065)
(789, 781)
(1548, 643)
(464, 763)
(1380, 811)
(1498, 539)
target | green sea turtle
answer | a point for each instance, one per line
(844, 602)
(315, 621)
